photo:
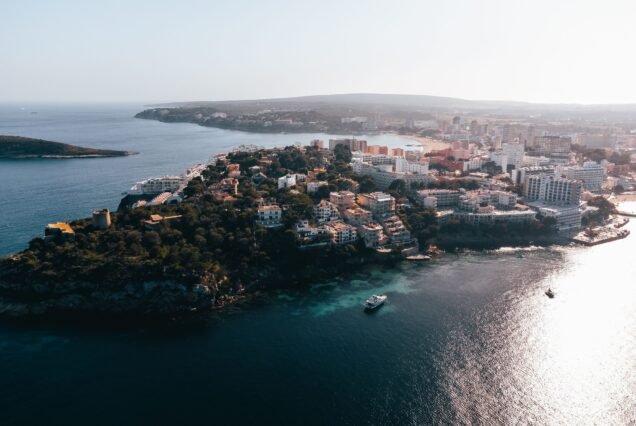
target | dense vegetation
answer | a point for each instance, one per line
(215, 242)
(605, 209)
(20, 147)
(599, 154)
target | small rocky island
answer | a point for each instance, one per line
(17, 147)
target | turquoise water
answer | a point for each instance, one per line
(468, 338)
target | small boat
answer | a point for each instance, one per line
(418, 257)
(520, 255)
(549, 293)
(374, 302)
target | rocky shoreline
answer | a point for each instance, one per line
(169, 298)
(142, 299)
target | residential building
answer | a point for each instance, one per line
(384, 176)
(326, 211)
(315, 185)
(514, 153)
(404, 166)
(158, 185)
(286, 181)
(357, 216)
(518, 176)
(397, 152)
(373, 235)
(269, 216)
(500, 159)
(552, 189)
(377, 150)
(442, 197)
(568, 217)
(341, 233)
(353, 144)
(343, 199)
(380, 205)
(590, 173)
(489, 215)
(475, 200)
(396, 231)
(552, 146)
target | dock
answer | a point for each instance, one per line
(592, 237)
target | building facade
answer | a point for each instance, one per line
(552, 189)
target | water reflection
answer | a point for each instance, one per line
(567, 360)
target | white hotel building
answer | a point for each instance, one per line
(552, 189)
(158, 185)
(591, 174)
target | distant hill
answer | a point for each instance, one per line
(373, 102)
(15, 147)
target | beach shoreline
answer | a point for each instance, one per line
(428, 144)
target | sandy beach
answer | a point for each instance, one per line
(427, 143)
(620, 198)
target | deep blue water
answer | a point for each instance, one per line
(468, 338)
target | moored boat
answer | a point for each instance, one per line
(374, 302)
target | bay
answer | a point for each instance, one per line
(468, 338)
(37, 192)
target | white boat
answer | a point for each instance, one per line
(374, 302)
(418, 257)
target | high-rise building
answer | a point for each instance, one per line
(552, 146)
(377, 150)
(475, 128)
(353, 144)
(590, 173)
(397, 152)
(552, 189)
(514, 153)
(508, 133)
(500, 159)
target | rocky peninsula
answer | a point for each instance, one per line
(236, 230)
(17, 147)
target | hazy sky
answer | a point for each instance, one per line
(534, 50)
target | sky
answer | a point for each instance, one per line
(160, 51)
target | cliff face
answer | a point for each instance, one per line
(149, 298)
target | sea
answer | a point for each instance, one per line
(467, 338)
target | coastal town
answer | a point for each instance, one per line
(262, 218)
(471, 172)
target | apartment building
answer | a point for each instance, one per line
(590, 173)
(326, 211)
(552, 189)
(343, 199)
(269, 216)
(380, 205)
(341, 233)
